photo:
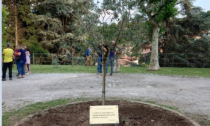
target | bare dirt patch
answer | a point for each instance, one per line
(130, 114)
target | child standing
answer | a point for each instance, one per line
(27, 65)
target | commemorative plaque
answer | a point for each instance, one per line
(107, 114)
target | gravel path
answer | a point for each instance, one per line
(190, 95)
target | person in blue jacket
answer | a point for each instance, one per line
(88, 53)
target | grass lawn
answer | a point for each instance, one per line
(190, 72)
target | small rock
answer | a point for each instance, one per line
(152, 120)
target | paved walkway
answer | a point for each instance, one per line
(190, 95)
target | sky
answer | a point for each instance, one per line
(205, 4)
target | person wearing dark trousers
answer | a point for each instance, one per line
(21, 64)
(110, 59)
(16, 61)
(99, 54)
(7, 53)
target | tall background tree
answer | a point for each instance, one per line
(19, 28)
(157, 11)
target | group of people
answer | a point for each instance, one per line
(21, 56)
(113, 59)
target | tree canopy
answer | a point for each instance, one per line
(68, 27)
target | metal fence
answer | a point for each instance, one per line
(193, 60)
(199, 60)
(53, 59)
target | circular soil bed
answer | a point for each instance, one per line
(130, 114)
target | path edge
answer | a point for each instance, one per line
(145, 103)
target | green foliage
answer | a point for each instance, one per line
(4, 45)
(24, 10)
(195, 22)
(5, 13)
(208, 13)
(111, 27)
(109, 31)
(158, 10)
(167, 11)
(35, 47)
(175, 40)
(57, 26)
(26, 33)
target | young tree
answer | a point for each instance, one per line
(96, 26)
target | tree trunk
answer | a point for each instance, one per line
(16, 24)
(103, 81)
(104, 59)
(154, 62)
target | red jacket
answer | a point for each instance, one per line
(16, 51)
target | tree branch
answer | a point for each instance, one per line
(119, 32)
